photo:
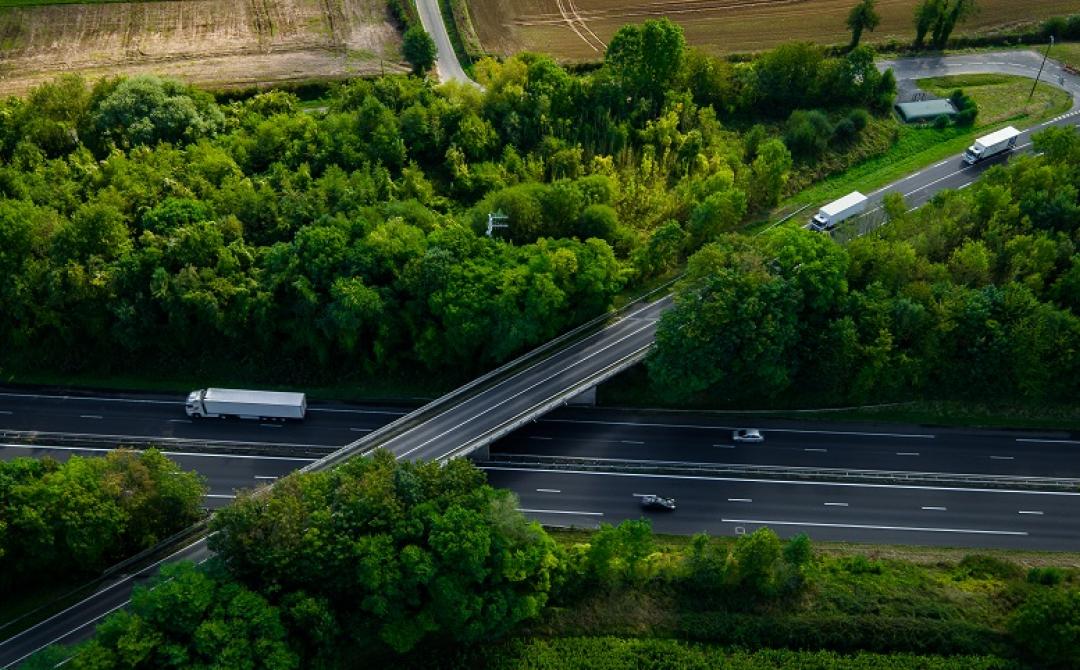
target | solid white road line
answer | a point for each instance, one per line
(831, 504)
(917, 529)
(1045, 441)
(521, 392)
(219, 495)
(643, 424)
(559, 511)
(167, 453)
(1030, 511)
(548, 491)
(140, 401)
(265, 476)
(788, 482)
(935, 509)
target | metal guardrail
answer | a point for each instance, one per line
(782, 472)
(47, 439)
(524, 362)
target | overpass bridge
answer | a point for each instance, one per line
(473, 416)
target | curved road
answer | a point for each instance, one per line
(447, 64)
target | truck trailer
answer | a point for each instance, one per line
(833, 213)
(246, 404)
(991, 145)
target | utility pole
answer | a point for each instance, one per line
(493, 219)
(1045, 56)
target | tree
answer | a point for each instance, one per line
(769, 173)
(403, 552)
(419, 49)
(191, 618)
(645, 59)
(926, 14)
(1047, 626)
(862, 16)
(807, 134)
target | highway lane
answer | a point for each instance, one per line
(879, 513)
(589, 432)
(157, 416)
(705, 438)
(857, 512)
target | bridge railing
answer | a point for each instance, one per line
(524, 362)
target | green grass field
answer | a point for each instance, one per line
(1002, 101)
(1068, 53)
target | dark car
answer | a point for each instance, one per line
(655, 502)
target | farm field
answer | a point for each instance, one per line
(215, 43)
(578, 30)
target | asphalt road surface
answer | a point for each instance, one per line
(446, 64)
(952, 173)
(583, 432)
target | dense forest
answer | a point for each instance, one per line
(61, 522)
(422, 565)
(976, 295)
(146, 228)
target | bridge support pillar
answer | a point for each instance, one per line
(481, 454)
(586, 397)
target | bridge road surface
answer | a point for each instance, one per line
(525, 393)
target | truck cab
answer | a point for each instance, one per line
(193, 406)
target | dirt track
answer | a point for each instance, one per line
(575, 30)
(211, 42)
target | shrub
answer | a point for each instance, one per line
(980, 566)
(942, 121)
(1047, 627)
(845, 132)
(860, 118)
(807, 133)
(1046, 576)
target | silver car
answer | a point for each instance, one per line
(747, 435)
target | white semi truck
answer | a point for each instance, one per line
(245, 404)
(991, 145)
(850, 205)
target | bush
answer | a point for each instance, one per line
(980, 566)
(861, 565)
(807, 133)
(942, 121)
(1047, 627)
(845, 132)
(1046, 576)
(860, 118)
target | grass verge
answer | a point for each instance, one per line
(1002, 101)
(1067, 52)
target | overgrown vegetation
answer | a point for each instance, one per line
(422, 565)
(62, 522)
(974, 296)
(143, 226)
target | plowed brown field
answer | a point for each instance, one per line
(577, 30)
(224, 43)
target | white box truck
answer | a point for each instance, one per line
(833, 213)
(991, 145)
(246, 404)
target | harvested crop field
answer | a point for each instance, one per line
(577, 30)
(219, 43)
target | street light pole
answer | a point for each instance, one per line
(1045, 56)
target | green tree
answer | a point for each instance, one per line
(403, 551)
(646, 59)
(757, 557)
(862, 16)
(769, 173)
(419, 49)
(1047, 626)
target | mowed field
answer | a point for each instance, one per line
(578, 30)
(220, 43)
